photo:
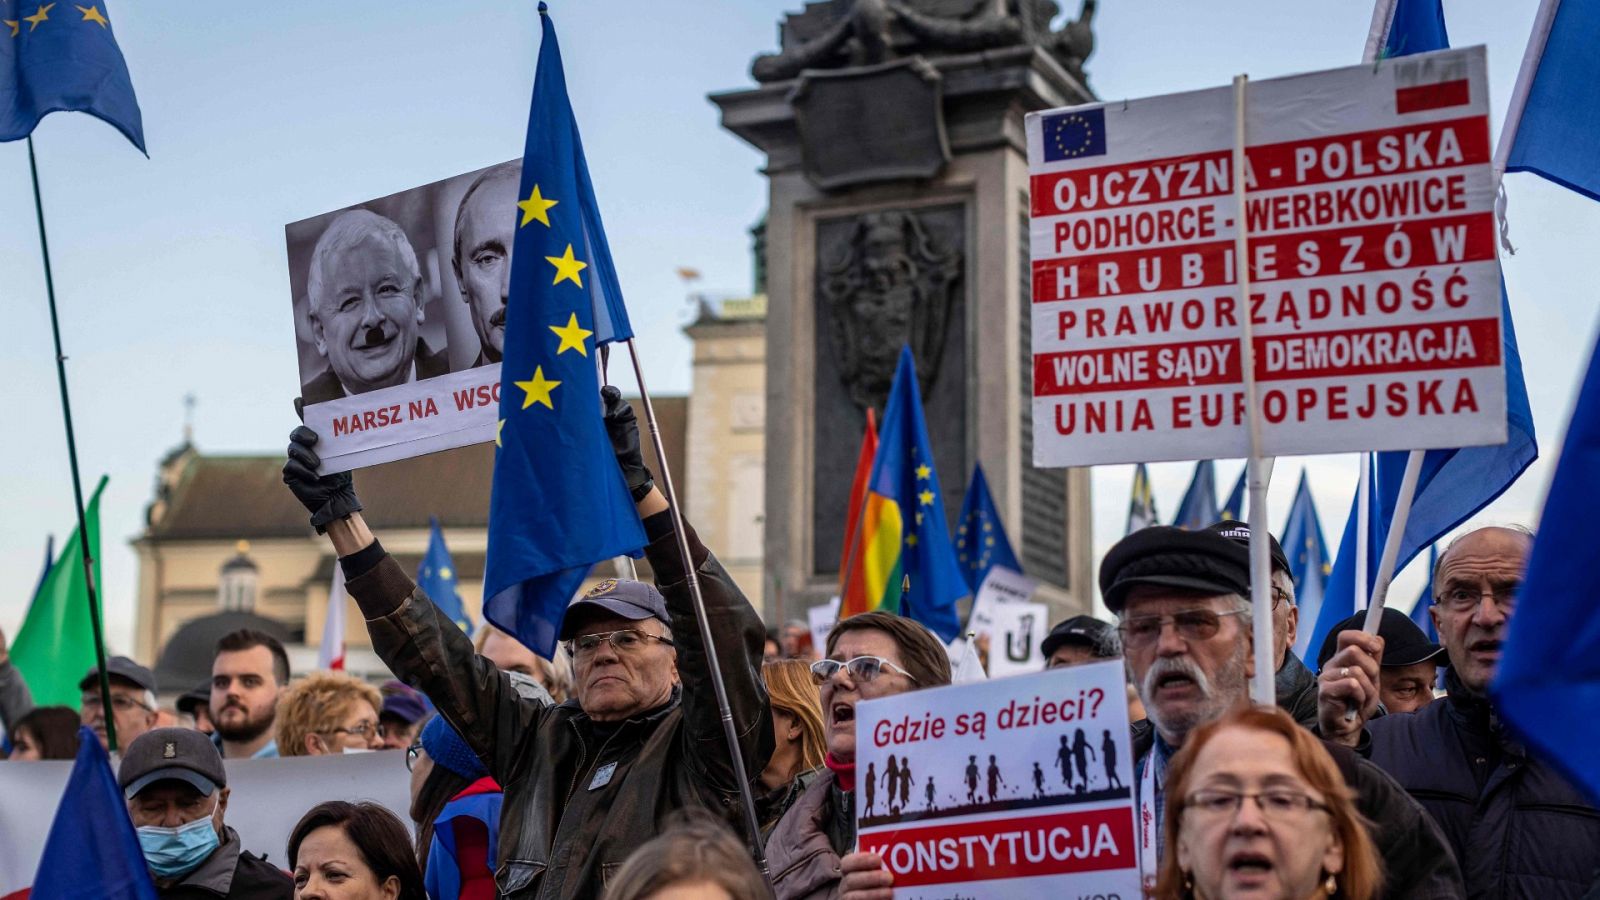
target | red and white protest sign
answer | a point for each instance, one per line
(1016, 787)
(1374, 286)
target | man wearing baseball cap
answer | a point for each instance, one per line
(177, 793)
(589, 780)
(1410, 663)
(1293, 683)
(1079, 639)
(1182, 603)
(133, 700)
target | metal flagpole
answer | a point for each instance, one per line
(692, 578)
(72, 459)
(1258, 469)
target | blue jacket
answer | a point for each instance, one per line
(1519, 829)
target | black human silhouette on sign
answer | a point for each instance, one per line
(905, 784)
(1038, 781)
(1080, 747)
(1108, 755)
(891, 783)
(871, 785)
(972, 779)
(994, 780)
(1064, 761)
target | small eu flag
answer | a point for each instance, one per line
(981, 542)
(1075, 135)
(436, 575)
(559, 503)
(92, 849)
(62, 57)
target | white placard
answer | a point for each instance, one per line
(1019, 630)
(1000, 585)
(1375, 292)
(1010, 788)
(822, 619)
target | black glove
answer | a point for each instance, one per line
(623, 428)
(328, 497)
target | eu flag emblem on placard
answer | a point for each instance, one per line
(1075, 135)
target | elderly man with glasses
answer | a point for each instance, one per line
(1518, 826)
(133, 700)
(1181, 599)
(589, 780)
(1294, 683)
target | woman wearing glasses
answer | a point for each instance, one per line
(871, 655)
(329, 712)
(1262, 811)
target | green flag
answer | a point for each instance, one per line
(55, 645)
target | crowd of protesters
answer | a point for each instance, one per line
(606, 771)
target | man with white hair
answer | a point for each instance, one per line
(1184, 620)
(365, 303)
(133, 700)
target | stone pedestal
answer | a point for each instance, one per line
(843, 252)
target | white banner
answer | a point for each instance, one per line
(1000, 585)
(1010, 788)
(822, 618)
(266, 798)
(1375, 291)
(1019, 630)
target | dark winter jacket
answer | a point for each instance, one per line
(231, 873)
(1417, 862)
(576, 803)
(1296, 690)
(1519, 828)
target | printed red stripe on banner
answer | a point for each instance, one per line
(1432, 96)
(1464, 344)
(1190, 364)
(1027, 847)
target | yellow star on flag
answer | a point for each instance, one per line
(15, 26)
(926, 497)
(39, 15)
(538, 390)
(571, 336)
(911, 540)
(497, 429)
(93, 14)
(445, 573)
(923, 471)
(567, 268)
(536, 207)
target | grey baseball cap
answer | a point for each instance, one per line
(120, 667)
(178, 754)
(633, 600)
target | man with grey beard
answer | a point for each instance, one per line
(1184, 622)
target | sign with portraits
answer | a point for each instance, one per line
(1015, 787)
(399, 308)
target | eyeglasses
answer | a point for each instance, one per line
(862, 669)
(360, 730)
(119, 703)
(1191, 625)
(1279, 596)
(624, 641)
(1278, 803)
(1463, 599)
(412, 752)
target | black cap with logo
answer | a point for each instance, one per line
(171, 754)
(632, 600)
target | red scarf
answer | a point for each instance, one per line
(843, 773)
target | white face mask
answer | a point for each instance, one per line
(356, 750)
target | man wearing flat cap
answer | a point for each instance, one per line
(1182, 603)
(177, 794)
(587, 781)
(1293, 683)
(1410, 663)
(133, 700)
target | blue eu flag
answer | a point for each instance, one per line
(92, 849)
(981, 542)
(62, 56)
(1558, 134)
(1419, 611)
(1199, 506)
(1309, 565)
(437, 578)
(559, 503)
(1075, 135)
(1233, 508)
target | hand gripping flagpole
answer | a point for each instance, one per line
(72, 460)
(692, 577)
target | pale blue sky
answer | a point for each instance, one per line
(171, 271)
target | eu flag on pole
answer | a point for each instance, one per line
(1199, 506)
(1141, 502)
(436, 575)
(1234, 507)
(1307, 550)
(1453, 484)
(62, 57)
(559, 504)
(906, 564)
(1558, 131)
(981, 542)
(92, 849)
(1419, 611)
(1548, 680)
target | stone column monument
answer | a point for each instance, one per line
(898, 214)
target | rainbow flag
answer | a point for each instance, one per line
(903, 561)
(852, 599)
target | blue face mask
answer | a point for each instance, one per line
(171, 852)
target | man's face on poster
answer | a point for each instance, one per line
(483, 268)
(365, 319)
